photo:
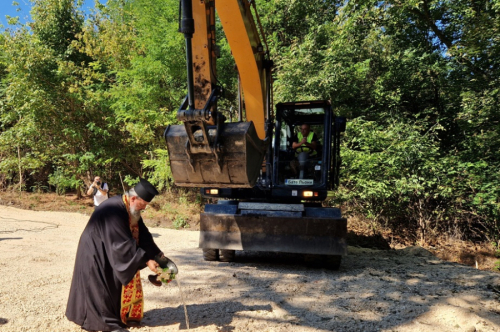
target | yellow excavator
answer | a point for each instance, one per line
(269, 196)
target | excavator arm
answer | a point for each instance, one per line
(206, 150)
(281, 213)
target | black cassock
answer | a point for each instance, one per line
(107, 258)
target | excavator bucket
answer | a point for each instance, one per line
(235, 163)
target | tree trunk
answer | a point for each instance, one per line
(20, 169)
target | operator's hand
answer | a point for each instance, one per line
(304, 140)
(152, 265)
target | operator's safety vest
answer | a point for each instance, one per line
(304, 148)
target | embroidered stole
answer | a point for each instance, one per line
(132, 302)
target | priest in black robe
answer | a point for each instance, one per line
(106, 291)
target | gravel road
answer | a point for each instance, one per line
(374, 290)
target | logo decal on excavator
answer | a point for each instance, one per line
(299, 182)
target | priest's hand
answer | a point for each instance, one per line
(152, 265)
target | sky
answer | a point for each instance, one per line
(23, 10)
(6, 8)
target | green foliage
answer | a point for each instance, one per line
(150, 72)
(180, 222)
(62, 182)
(131, 181)
(89, 96)
(183, 199)
(39, 188)
(391, 167)
(160, 174)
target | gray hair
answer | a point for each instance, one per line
(131, 193)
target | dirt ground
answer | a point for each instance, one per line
(163, 211)
(375, 290)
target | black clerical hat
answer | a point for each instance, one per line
(145, 190)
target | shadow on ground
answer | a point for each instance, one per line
(375, 241)
(10, 238)
(220, 313)
(374, 289)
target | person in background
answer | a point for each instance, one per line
(99, 190)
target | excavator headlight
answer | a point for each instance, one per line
(213, 191)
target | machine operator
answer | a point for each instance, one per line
(305, 141)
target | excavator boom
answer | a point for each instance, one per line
(205, 150)
(241, 33)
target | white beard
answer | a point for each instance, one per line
(135, 215)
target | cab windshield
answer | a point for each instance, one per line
(301, 138)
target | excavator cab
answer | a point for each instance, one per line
(308, 173)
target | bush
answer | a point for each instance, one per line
(160, 174)
(180, 222)
(63, 182)
(398, 174)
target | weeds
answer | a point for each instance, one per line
(39, 188)
(183, 199)
(497, 255)
(180, 222)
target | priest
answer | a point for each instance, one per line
(106, 291)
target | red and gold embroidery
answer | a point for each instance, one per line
(132, 302)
